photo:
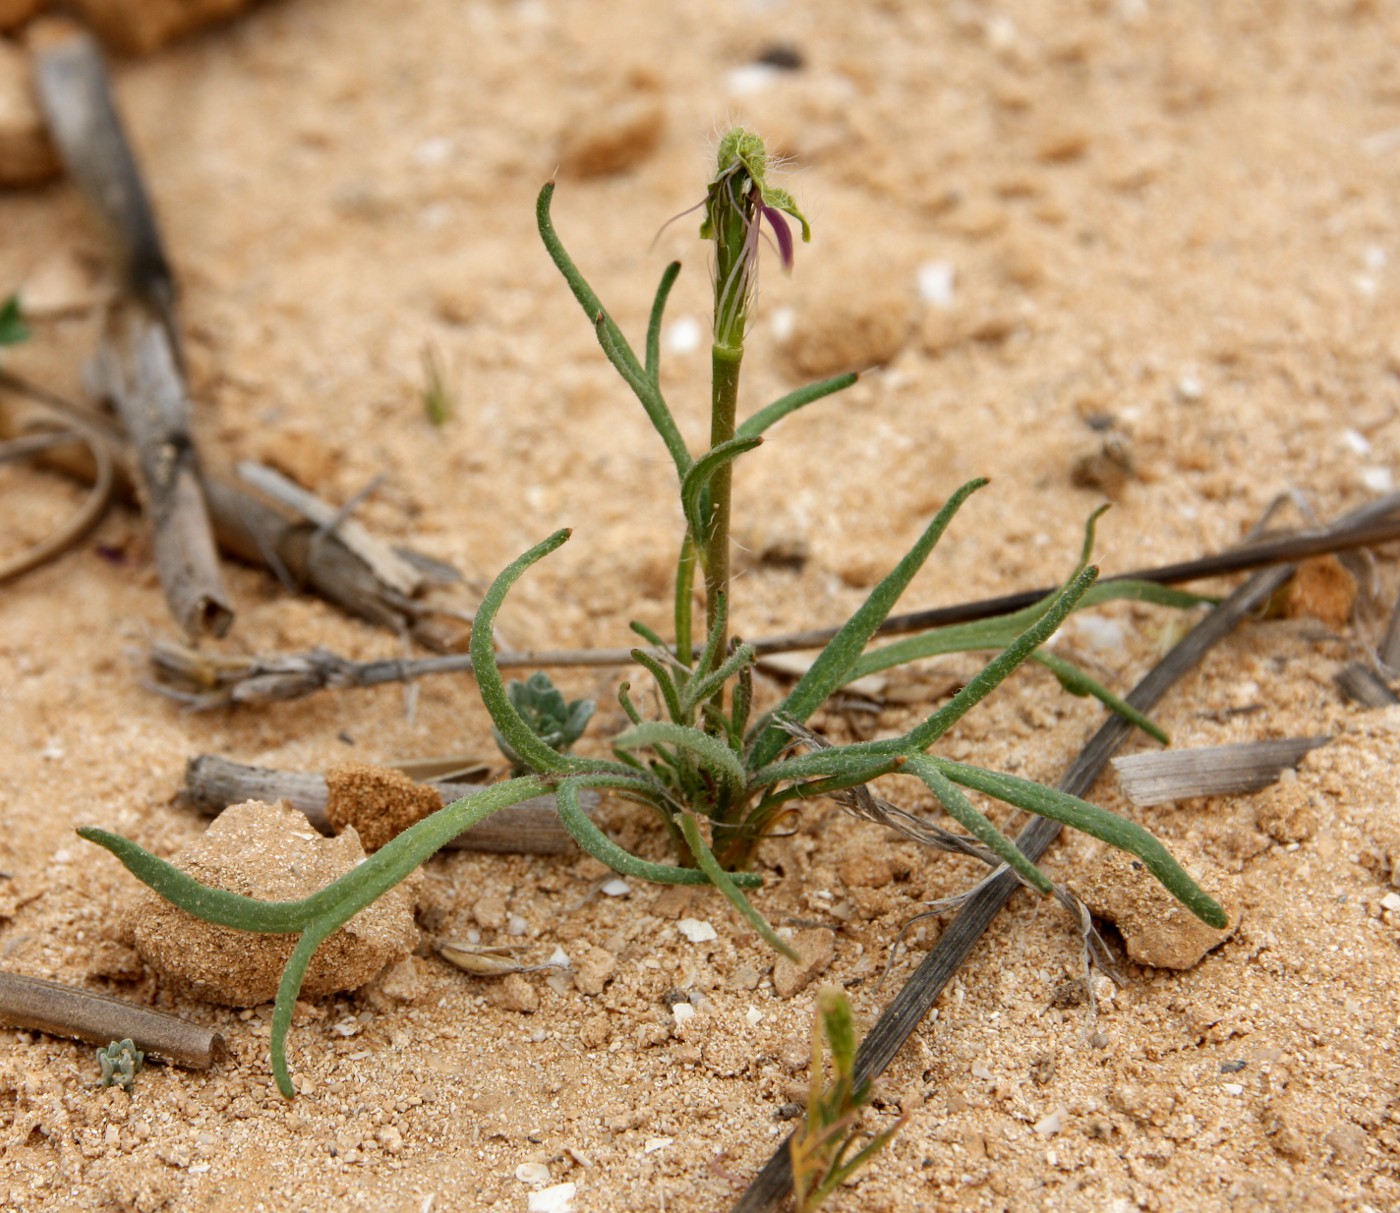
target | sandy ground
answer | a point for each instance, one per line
(1170, 228)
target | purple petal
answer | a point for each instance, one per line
(778, 222)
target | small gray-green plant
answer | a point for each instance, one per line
(821, 1149)
(717, 775)
(556, 722)
(13, 330)
(121, 1062)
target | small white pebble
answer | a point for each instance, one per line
(1189, 389)
(1391, 902)
(347, 1027)
(617, 887)
(1051, 1123)
(682, 335)
(515, 925)
(535, 1173)
(936, 281)
(1375, 257)
(695, 930)
(656, 1143)
(433, 151)
(981, 1070)
(683, 1012)
(782, 324)
(558, 1199)
(559, 958)
(754, 1017)
(1102, 635)
(750, 78)
(1232, 1088)
(1356, 441)
(1378, 480)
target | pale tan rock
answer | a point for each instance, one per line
(273, 853)
(1157, 929)
(379, 802)
(139, 26)
(27, 157)
(816, 948)
(514, 993)
(593, 968)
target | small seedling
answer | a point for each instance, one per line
(718, 775)
(439, 393)
(121, 1062)
(13, 330)
(821, 1149)
(543, 709)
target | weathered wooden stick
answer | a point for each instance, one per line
(382, 560)
(138, 371)
(99, 1019)
(1158, 776)
(250, 529)
(75, 94)
(140, 362)
(530, 828)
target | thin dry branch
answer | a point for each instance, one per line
(87, 516)
(251, 529)
(529, 828)
(138, 372)
(139, 364)
(99, 1019)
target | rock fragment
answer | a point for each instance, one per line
(816, 948)
(270, 852)
(1157, 929)
(379, 802)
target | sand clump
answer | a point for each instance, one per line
(270, 852)
(378, 802)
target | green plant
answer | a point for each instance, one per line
(546, 714)
(121, 1062)
(821, 1148)
(717, 776)
(13, 330)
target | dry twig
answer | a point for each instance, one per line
(99, 1019)
(530, 828)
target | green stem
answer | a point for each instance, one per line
(724, 408)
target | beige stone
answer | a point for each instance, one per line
(1157, 929)
(816, 949)
(273, 853)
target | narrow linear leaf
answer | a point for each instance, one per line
(1077, 682)
(696, 482)
(712, 752)
(725, 883)
(664, 682)
(610, 336)
(975, 822)
(212, 905)
(1091, 819)
(770, 414)
(658, 310)
(592, 840)
(521, 737)
(1000, 667)
(833, 663)
(698, 690)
